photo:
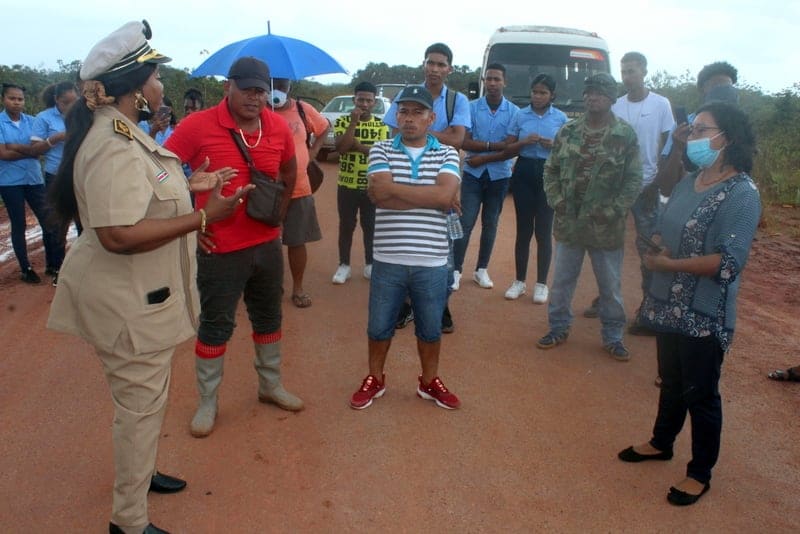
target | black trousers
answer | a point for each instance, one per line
(689, 368)
(351, 203)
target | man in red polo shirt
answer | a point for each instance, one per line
(246, 254)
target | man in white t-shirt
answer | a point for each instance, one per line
(650, 115)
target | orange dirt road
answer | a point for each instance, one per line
(533, 448)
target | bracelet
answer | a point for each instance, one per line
(47, 140)
(202, 220)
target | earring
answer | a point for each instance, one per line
(141, 102)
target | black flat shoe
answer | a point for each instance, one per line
(630, 455)
(149, 529)
(681, 498)
(161, 483)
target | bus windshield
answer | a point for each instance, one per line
(568, 65)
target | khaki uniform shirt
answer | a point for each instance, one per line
(121, 177)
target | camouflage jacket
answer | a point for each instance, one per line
(616, 179)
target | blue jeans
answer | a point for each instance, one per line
(607, 267)
(388, 288)
(257, 272)
(14, 197)
(474, 193)
(645, 218)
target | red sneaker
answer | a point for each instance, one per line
(436, 392)
(371, 388)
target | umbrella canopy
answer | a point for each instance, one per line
(286, 57)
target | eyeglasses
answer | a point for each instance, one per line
(699, 130)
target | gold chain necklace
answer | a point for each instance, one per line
(241, 134)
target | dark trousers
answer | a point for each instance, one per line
(486, 196)
(14, 197)
(257, 272)
(689, 368)
(534, 216)
(353, 205)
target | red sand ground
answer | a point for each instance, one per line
(533, 448)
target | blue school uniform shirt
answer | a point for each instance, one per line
(26, 171)
(492, 127)
(161, 136)
(527, 122)
(47, 123)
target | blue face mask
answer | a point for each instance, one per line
(700, 153)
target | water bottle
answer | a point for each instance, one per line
(454, 229)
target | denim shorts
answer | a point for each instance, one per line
(391, 284)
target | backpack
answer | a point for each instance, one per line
(450, 105)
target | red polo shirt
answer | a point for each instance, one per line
(208, 133)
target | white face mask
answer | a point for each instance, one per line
(278, 98)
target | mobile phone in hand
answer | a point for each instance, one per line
(163, 112)
(649, 244)
(680, 115)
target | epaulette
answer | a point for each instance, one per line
(123, 129)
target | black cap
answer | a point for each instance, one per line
(602, 82)
(249, 72)
(416, 93)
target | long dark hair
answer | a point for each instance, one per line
(55, 91)
(78, 122)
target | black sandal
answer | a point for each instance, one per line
(788, 375)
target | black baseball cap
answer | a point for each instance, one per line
(250, 72)
(416, 93)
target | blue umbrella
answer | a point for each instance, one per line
(287, 57)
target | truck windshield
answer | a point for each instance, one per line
(568, 65)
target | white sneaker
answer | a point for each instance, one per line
(540, 294)
(481, 278)
(342, 274)
(368, 271)
(517, 288)
(456, 280)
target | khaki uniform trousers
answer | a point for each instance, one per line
(139, 385)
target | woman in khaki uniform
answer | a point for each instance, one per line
(127, 285)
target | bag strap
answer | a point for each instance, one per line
(243, 149)
(450, 105)
(302, 114)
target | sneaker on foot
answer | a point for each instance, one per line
(371, 388)
(447, 321)
(55, 280)
(368, 271)
(618, 351)
(481, 278)
(456, 280)
(516, 290)
(29, 276)
(342, 274)
(552, 339)
(405, 316)
(540, 293)
(438, 393)
(593, 310)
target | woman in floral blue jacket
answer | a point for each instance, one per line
(703, 241)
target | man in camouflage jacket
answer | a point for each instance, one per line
(591, 179)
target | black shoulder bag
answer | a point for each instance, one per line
(263, 202)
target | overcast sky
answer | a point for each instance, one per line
(758, 37)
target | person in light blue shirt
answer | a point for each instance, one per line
(161, 124)
(48, 127)
(21, 181)
(448, 128)
(485, 183)
(530, 135)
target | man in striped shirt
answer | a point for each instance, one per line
(413, 181)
